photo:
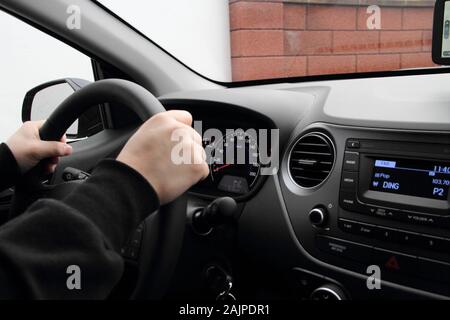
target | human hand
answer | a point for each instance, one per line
(28, 148)
(149, 151)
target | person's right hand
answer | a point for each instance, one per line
(149, 152)
(28, 148)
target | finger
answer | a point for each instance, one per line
(197, 137)
(50, 168)
(39, 123)
(50, 149)
(187, 131)
(199, 156)
(64, 139)
(181, 116)
(53, 160)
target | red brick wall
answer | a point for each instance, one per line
(281, 38)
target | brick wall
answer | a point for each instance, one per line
(286, 38)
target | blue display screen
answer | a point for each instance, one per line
(418, 178)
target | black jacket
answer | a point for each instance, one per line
(86, 229)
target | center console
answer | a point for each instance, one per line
(405, 182)
(392, 208)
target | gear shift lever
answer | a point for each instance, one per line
(220, 211)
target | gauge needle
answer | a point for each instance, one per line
(222, 167)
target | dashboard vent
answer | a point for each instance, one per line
(311, 159)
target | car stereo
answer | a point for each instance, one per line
(397, 180)
(417, 178)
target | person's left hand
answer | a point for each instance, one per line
(28, 148)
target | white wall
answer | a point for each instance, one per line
(29, 57)
(197, 32)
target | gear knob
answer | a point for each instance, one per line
(220, 211)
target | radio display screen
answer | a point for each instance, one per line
(418, 178)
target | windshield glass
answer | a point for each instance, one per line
(238, 40)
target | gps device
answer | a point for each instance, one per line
(441, 33)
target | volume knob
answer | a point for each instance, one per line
(328, 292)
(318, 216)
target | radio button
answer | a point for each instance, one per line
(348, 201)
(435, 244)
(384, 213)
(366, 230)
(351, 161)
(423, 219)
(368, 210)
(347, 225)
(348, 180)
(409, 238)
(386, 234)
(353, 144)
(362, 229)
(344, 249)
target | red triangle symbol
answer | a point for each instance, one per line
(392, 263)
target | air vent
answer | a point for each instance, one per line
(311, 160)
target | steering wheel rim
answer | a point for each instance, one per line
(167, 225)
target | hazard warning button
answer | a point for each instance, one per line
(392, 263)
(396, 262)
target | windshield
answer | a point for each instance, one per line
(239, 40)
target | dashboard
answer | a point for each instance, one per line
(231, 139)
(362, 184)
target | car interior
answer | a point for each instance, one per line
(358, 184)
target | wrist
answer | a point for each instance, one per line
(10, 162)
(135, 166)
(16, 155)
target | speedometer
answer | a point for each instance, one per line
(235, 162)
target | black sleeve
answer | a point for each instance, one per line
(86, 229)
(9, 170)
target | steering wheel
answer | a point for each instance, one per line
(164, 230)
